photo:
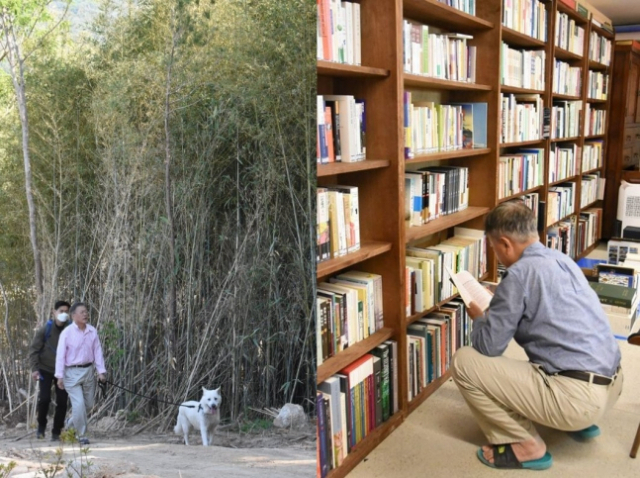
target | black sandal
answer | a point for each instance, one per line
(505, 459)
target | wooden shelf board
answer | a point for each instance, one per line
(596, 65)
(588, 250)
(566, 55)
(515, 38)
(595, 100)
(601, 31)
(332, 169)
(561, 219)
(579, 19)
(517, 195)
(591, 204)
(412, 318)
(367, 250)
(428, 391)
(565, 180)
(458, 153)
(444, 222)
(560, 96)
(362, 449)
(590, 171)
(594, 136)
(517, 90)
(351, 354)
(522, 143)
(421, 81)
(439, 14)
(560, 140)
(330, 68)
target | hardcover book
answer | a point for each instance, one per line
(612, 294)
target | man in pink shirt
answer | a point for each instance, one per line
(79, 351)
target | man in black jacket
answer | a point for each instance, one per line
(42, 358)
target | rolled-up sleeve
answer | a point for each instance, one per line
(492, 333)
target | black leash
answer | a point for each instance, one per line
(103, 389)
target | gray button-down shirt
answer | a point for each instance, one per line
(546, 304)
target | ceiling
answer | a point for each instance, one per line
(621, 12)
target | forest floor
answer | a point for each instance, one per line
(246, 451)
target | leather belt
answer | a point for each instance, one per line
(589, 376)
(84, 365)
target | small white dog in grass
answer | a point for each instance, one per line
(203, 415)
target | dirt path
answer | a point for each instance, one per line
(273, 453)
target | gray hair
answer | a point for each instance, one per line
(513, 219)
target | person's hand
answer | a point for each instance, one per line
(35, 375)
(102, 377)
(61, 384)
(474, 311)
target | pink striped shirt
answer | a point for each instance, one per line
(79, 347)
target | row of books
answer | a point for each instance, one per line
(526, 16)
(520, 172)
(569, 35)
(592, 189)
(431, 52)
(598, 85)
(427, 278)
(521, 117)
(435, 191)
(522, 68)
(533, 202)
(563, 161)
(466, 6)
(349, 309)
(340, 129)
(565, 119)
(560, 237)
(354, 402)
(594, 121)
(599, 49)
(560, 201)
(338, 221)
(431, 342)
(589, 224)
(592, 154)
(338, 32)
(567, 79)
(432, 127)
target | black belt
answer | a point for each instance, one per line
(84, 365)
(589, 376)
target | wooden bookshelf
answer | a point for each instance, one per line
(380, 179)
(565, 180)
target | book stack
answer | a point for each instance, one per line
(592, 155)
(569, 36)
(598, 85)
(526, 16)
(521, 118)
(340, 129)
(466, 6)
(567, 79)
(565, 119)
(338, 221)
(435, 191)
(349, 309)
(431, 342)
(617, 291)
(426, 275)
(522, 68)
(563, 161)
(589, 222)
(594, 121)
(559, 237)
(429, 51)
(599, 49)
(520, 171)
(338, 32)
(354, 402)
(560, 201)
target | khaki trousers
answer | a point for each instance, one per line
(80, 384)
(507, 395)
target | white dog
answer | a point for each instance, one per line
(203, 415)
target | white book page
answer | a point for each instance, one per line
(470, 289)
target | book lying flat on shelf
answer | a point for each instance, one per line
(470, 289)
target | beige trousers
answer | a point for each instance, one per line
(80, 384)
(507, 395)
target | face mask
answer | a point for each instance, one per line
(63, 317)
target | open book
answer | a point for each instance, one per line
(470, 289)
